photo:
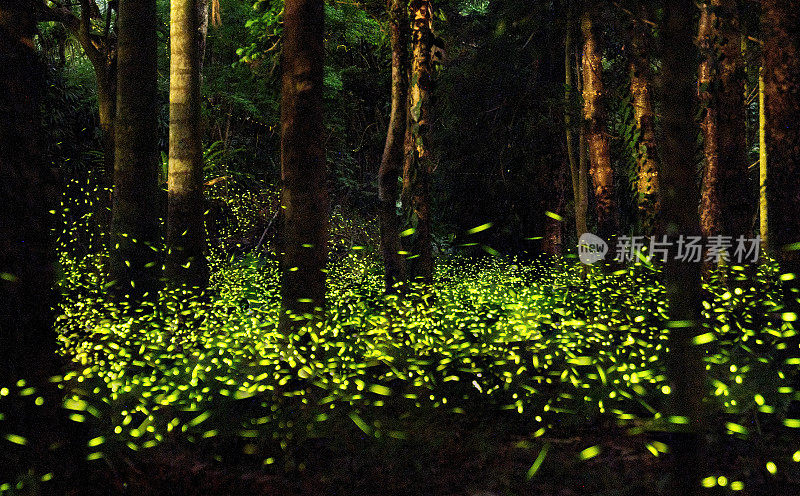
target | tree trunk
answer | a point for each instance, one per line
(682, 279)
(392, 161)
(569, 110)
(780, 25)
(763, 204)
(641, 87)
(185, 261)
(725, 185)
(304, 197)
(28, 192)
(417, 168)
(135, 261)
(594, 115)
(106, 77)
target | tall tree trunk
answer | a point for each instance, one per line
(682, 279)
(570, 88)
(392, 161)
(107, 109)
(582, 209)
(641, 88)
(594, 115)
(304, 197)
(185, 261)
(417, 167)
(135, 261)
(725, 179)
(780, 25)
(28, 192)
(763, 204)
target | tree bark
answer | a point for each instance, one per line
(186, 238)
(135, 261)
(417, 167)
(725, 185)
(780, 25)
(594, 115)
(28, 192)
(304, 197)
(641, 79)
(392, 161)
(570, 87)
(763, 203)
(682, 279)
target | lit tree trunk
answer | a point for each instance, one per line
(392, 161)
(27, 192)
(682, 279)
(135, 261)
(304, 197)
(725, 187)
(594, 116)
(641, 88)
(763, 205)
(780, 25)
(185, 262)
(417, 168)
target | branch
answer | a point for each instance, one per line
(634, 17)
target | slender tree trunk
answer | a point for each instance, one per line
(582, 209)
(780, 25)
(641, 88)
(417, 168)
(107, 109)
(392, 161)
(763, 205)
(135, 261)
(594, 115)
(725, 180)
(304, 197)
(682, 279)
(185, 261)
(569, 110)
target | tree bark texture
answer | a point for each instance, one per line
(304, 198)
(186, 238)
(135, 262)
(392, 161)
(417, 167)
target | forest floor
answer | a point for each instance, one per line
(505, 378)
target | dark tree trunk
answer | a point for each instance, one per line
(571, 87)
(594, 115)
(135, 261)
(680, 198)
(727, 204)
(392, 161)
(417, 167)
(780, 25)
(185, 260)
(28, 192)
(304, 197)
